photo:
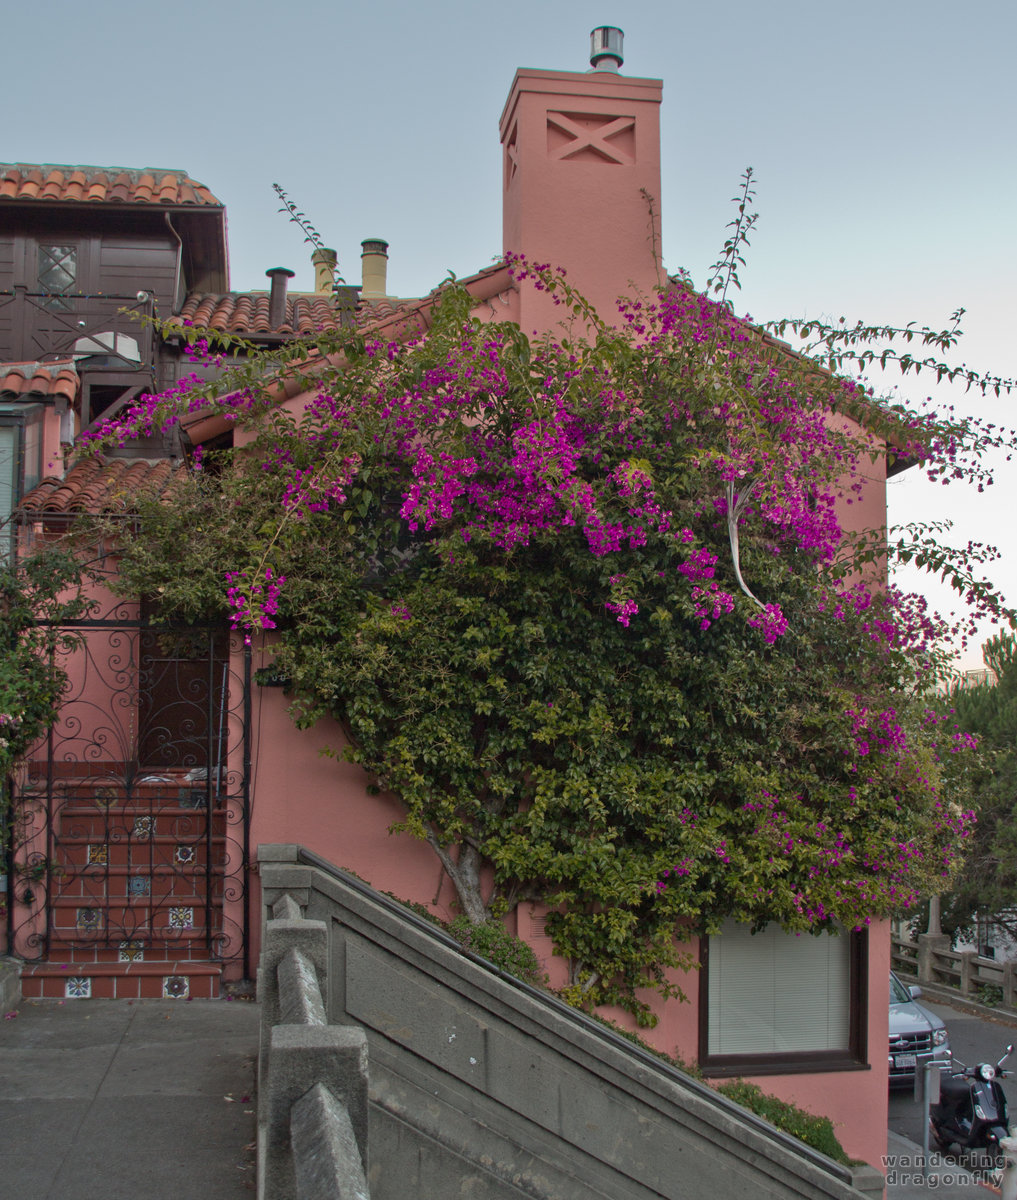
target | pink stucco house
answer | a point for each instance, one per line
(148, 883)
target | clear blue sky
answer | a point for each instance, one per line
(881, 133)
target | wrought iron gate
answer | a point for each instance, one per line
(128, 825)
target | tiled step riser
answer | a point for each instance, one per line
(111, 791)
(85, 957)
(122, 987)
(97, 855)
(92, 889)
(186, 829)
(191, 944)
(66, 943)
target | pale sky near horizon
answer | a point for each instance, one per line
(881, 135)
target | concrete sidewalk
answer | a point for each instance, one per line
(128, 1100)
(947, 1177)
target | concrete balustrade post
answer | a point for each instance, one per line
(929, 945)
(968, 971)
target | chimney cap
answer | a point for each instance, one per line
(285, 272)
(606, 48)
(374, 246)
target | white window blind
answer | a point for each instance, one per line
(778, 993)
(8, 486)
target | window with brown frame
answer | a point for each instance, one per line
(780, 1003)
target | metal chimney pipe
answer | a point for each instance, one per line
(277, 296)
(374, 268)
(606, 48)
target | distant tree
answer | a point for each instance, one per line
(987, 887)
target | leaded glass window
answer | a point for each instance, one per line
(58, 273)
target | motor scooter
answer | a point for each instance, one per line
(972, 1111)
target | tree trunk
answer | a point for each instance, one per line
(465, 875)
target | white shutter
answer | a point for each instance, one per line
(777, 993)
(8, 486)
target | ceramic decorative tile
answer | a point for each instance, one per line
(88, 919)
(142, 828)
(98, 856)
(132, 952)
(181, 918)
(185, 854)
(105, 797)
(139, 885)
(175, 987)
(78, 987)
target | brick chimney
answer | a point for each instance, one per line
(581, 160)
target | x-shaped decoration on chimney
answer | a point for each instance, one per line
(511, 155)
(611, 139)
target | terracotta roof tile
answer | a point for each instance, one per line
(247, 313)
(23, 380)
(94, 486)
(113, 185)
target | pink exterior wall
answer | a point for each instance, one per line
(581, 185)
(52, 448)
(96, 682)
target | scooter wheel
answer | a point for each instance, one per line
(942, 1144)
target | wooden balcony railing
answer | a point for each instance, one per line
(40, 327)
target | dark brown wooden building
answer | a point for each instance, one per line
(85, 252)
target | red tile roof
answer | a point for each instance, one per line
(26, 380)
(247, 313)
(389, 319)
(95, 485)
(109, 185)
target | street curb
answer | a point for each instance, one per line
(941, 995)
(10, 984)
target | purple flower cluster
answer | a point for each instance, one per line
(254, 603)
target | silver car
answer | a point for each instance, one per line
(917, 1036)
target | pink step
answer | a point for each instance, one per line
(168, 979)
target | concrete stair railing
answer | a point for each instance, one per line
(480, 1086)
(312, 1077)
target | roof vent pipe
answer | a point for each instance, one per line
(374, 263)
(606, 48)
(277, 297)
(325, 262)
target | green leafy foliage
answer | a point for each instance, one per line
(491, 940)
(700, 717)
(816, 1132)
(36, 598)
